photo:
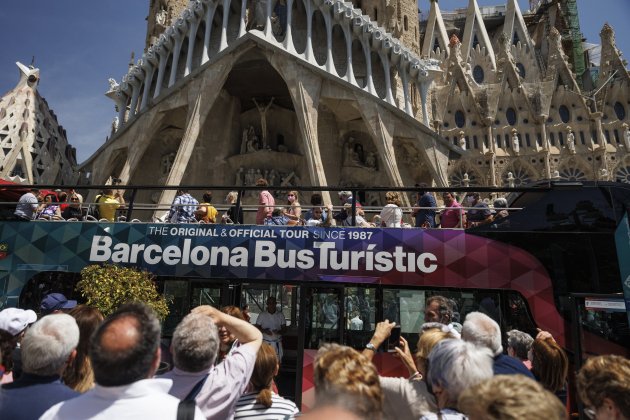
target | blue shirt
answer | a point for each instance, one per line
(31, 395)
(507, 365)
(183, 208)
(426, 215)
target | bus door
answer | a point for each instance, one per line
(321, 323)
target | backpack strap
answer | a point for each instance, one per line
(186, 410)
(196, 389)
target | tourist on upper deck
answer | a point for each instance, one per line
(266, 202)
(28, 204)
(480, 213)
(316, 201)
(231, 216)
(183, 208)
(321, 216)
(391, 215)
(108, 203)
(453, 216)
(424, 213)
(49, 209)
(73, 210)
(206, 213)
(295, 210)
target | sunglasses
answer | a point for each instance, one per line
(74, 199)
(590, 413)
(290, 195)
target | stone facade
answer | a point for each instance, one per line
(33, 146)
(510, 97)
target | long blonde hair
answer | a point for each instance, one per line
(78, 375)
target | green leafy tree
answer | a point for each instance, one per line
(106, 287)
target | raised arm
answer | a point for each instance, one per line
(246, 333)
(382, 332)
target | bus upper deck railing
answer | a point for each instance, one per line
(355, 204)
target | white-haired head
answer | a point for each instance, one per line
(48, 344)
(483, 331)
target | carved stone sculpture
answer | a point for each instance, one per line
(570, 141)
(515, 143)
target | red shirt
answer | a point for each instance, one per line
(450, 218)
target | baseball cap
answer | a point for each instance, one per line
(55, 301)
(15, 320)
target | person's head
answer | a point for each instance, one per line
(603, 384)
(519, 343)
(74, 200)
(262, 182)
(78, 375)
(472, 198)
(292, 197)
(50, 198)
(265, 368)
(225, 336)
(316, 199)
(507, 397)
(125, 348)
(500, 203)
(195, 343)
(49, 345)
(231, 197)
(448, 198)
(455, 365)
(344, 372)
(63, 196)
(271, 304)
(207, 197)
(483, 331)
(426, 342)
(438, 309)
(245, 312)
(318, 213)
(550, 364)
(422, 188)
(393, 197)
(13, 324)
(110, 191)
(344, 195)
(56, 302)
(181, 192)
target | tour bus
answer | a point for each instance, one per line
(557, 262)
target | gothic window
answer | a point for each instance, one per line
(572, 174)
(475, 143)
(565, 115)
(521, 69)
(460, 118)
(510, 114)
(508, 143)
(515, 38)
(623, 175)
(561, 138)
(478, 74)
(552, 139)
(457, 178)
(499, 141)
(539, 139)
(594, 136)
(527, 140)
(406, 26)
(436, 44)
(582, 139)
(485, 140)
(620, 111)
(607, 135)
(375, 15)
(617, 139)
(475, 41)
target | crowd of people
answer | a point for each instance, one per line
(73, 363)
(423, 213)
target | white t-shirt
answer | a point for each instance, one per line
(272, 322)
(144, 399)
(391, 215)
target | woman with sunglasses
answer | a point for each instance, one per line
(73, 210)
(295, 210)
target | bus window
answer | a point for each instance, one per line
(176, 293)
(516, 315)
(360, 311)
(324, 317)
(205, 294)
(606, 317)
(405, 307)
(255, 296)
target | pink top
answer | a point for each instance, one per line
(266, 204)
(450, 218)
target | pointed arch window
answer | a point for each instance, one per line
(436, 44)
(460, 118)
(620, 111)
(515, 38)
(405, 24)
(565, 115)
(475, 41)
(478, 74)
(510, 114)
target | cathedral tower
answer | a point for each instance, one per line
(398, 17)
(162, 14)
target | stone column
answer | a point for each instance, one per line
(179, 40)
(192, 37)
(226, 16)
(288, 35)
(212, 7)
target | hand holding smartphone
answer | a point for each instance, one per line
(393, 340)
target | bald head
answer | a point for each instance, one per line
(125, 348)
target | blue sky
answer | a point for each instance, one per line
(78, 45)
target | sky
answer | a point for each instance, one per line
(78, 45)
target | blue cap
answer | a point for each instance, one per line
(56, 301)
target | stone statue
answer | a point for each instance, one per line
(258, 174)
(626, 136)
(603, 174)
(263, 121)
(466, 180)
(570, 141)
(113, 84)
(240, 176)
(166, 163)
(462, 140)
(252, 144)
(516, 146)
(511, 180)
(370, 161)
(555, 175)
(115, 124)
(160, 17)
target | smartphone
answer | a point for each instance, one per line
(394, 339)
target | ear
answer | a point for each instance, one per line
(276, 370)
(610, 408)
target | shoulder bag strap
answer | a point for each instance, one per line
(196, 389)
(186, 410)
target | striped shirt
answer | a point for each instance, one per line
(248, 408)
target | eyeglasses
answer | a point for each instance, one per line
(590, 412)
(290, 195)
(74, 199)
